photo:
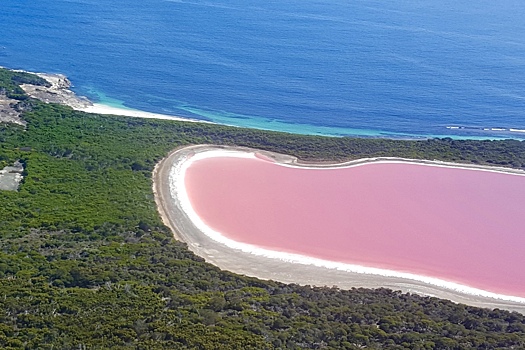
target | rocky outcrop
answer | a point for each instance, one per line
(58, 92)
(11, 176)
(8, 111)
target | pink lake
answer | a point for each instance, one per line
(460, 225)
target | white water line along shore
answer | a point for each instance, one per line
(247, 259)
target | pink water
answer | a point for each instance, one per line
(460, 225)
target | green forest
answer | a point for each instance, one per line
(86, 263)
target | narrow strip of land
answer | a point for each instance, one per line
(273, 269)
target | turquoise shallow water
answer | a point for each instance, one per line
(359, 68)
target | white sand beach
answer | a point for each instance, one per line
(98, 108)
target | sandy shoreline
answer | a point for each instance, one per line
(59, 92)
(243, 262)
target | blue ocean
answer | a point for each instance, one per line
(394, 68)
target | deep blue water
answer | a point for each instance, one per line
(396, 68)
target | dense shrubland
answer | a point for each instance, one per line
(85, 262)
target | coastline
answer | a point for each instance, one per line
(253, 261)
(60, 92)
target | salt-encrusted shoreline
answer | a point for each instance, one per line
(254, 261)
